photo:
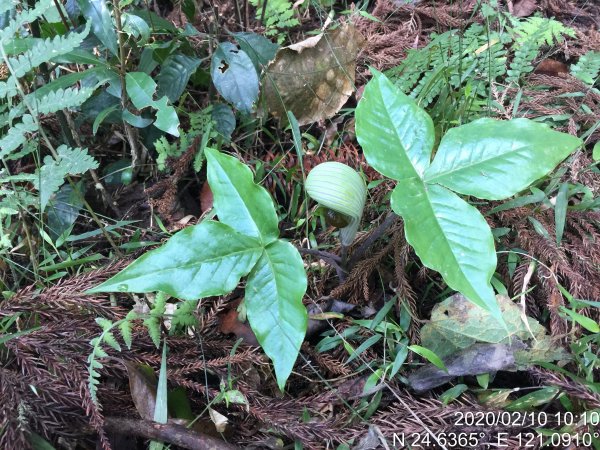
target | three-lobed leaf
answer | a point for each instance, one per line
(396, 135)
(274, 306)
(487, 158)
(199, 261)
(495, 159)
(210, 258)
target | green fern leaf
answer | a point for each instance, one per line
(58, 100)
(17, 135)
(45, 50)
(105, 324)
(22, 18)
(587, 68)
(110, 340)
(159, 306)
(184, 315)
(540, 30)
(125, 327)
(279, 15)
(153, 326)
(71, 161)
(98, 353)
(8, 88)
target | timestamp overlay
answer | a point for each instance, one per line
(514, 430)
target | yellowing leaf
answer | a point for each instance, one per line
(315, 77)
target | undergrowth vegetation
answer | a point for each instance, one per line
(201, 244)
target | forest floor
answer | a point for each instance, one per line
(340, 393)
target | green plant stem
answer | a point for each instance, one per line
(136, 156)
(30, 244)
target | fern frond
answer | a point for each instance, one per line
(58, 100)
(17, 135)
(111, 341)
(22, 18)
(522, 62)
(541, 30)
(184, 315)
(8, 88)
(152, 324)
(279, 15)
(587, 68)
(201, 122)
(125, 327)
(71, 161)
(45, 50)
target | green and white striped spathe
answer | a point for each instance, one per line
(340, 188)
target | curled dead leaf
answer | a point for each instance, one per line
(551, 67)
(524, 8)
(230, 324)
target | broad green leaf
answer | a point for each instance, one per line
(136, 27)
(199, 261)
(234, 76)
(449, 236)
(65, 81)
(258, 48)
(224, 119)
(274, 306)
(166, 117)
(156, 22)
(136, 121)
(80, 56)
(560, 211)
(103, 115)
(596, 152)
(140, 88)
(533, 399)
(175, 72)
(395, 134)
(96, 12)
(453, 393)
(238, 201)
(64, 208)
(495, 159)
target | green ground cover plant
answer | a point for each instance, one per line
(210, 258)
(486, 159)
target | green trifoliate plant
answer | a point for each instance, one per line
(210, 258)
(342, 191)
(488, 159)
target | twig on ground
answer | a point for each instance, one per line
(165, 432)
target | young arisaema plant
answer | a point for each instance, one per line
(342, 192)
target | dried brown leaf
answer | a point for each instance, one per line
(313, 78)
